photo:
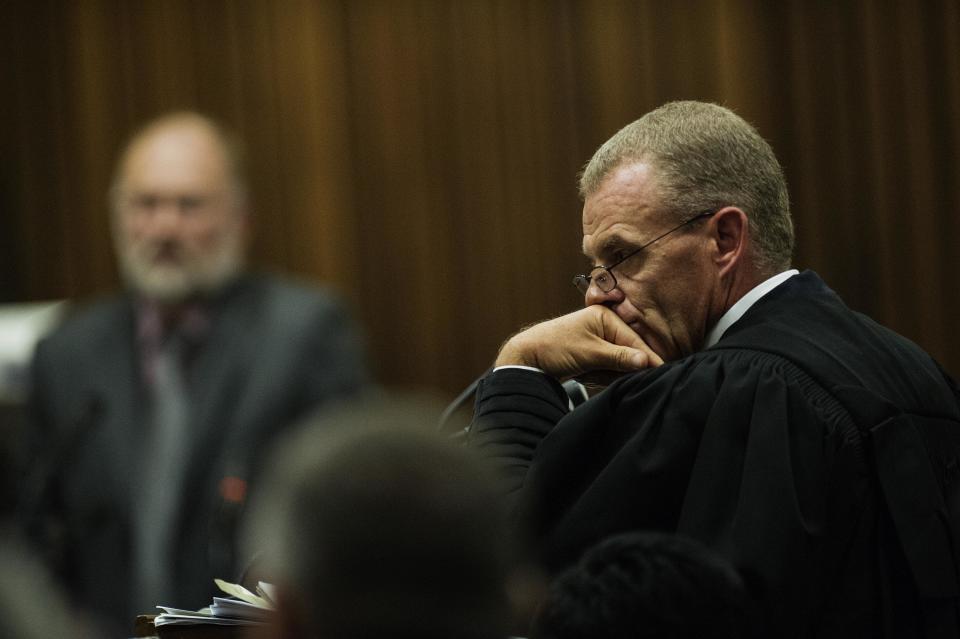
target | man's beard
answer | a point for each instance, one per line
(170, 282)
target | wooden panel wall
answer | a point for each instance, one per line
(421, 156)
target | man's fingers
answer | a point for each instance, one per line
(616, 331)
(639, 356)
(653, 359)
(591, 339)
(622, 359)
(631, 359)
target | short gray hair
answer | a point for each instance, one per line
(704, 157)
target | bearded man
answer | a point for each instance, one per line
(152, 408)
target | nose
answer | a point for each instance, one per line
(596, 296)
(164, 219)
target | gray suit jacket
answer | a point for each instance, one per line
(274, 352)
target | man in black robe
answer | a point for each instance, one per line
(816, 450)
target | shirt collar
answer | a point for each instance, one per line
(736, 311)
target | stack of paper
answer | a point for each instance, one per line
(242, 608)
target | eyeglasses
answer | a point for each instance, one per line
(603, 277)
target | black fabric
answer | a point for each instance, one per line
(760, 448)
(275, 351)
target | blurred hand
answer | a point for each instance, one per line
(585, 341)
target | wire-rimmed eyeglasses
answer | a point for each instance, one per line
(603, 277)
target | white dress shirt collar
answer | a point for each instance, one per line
(736, 311)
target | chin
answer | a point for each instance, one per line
(170, 284)
(164, 285)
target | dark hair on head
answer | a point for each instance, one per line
(646, 586)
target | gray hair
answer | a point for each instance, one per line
(704, 157)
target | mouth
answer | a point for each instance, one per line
(164, 255)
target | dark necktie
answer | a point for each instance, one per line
(162, 475)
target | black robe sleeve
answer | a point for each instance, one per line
(738, 449)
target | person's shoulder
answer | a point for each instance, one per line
(701, 377)
(710, 362)
(286, 305)
(733, 387)
(85, 336)
(809, 324)
(88, 323)
(291, 292)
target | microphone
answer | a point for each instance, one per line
(455, 405)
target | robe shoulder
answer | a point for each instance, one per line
(694, 446)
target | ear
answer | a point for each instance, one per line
(731, 236)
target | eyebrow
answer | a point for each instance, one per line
(611, 244)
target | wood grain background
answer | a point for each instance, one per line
(420, 156)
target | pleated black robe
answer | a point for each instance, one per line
(816, 450)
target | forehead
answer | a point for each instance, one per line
(176, 159)
(622, 208)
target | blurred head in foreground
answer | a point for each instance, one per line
(371, 525)
(646, 586)
(179, 208)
